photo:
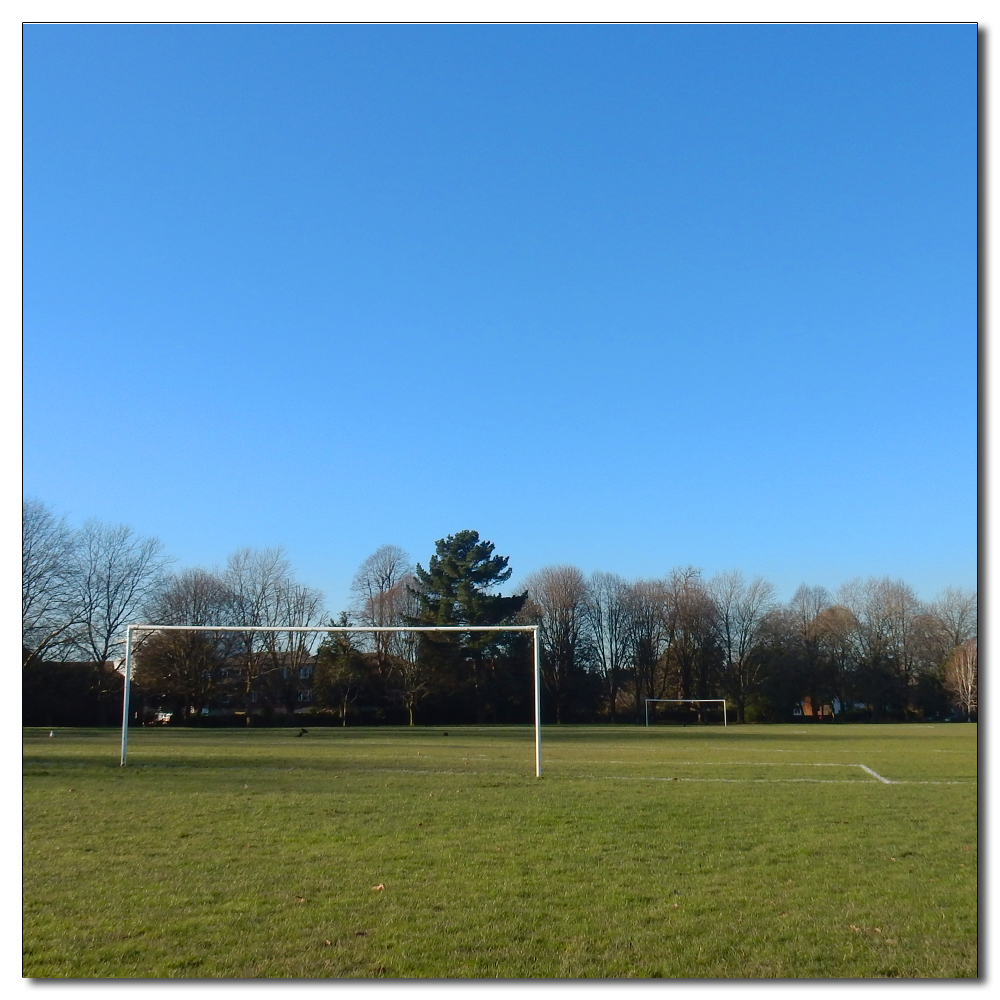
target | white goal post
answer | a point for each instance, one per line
(339, 628)
(683, 701)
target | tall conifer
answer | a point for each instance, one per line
(457, 589)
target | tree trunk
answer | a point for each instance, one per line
(102, 713)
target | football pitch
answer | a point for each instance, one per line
(751, 851)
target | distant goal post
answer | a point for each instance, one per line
(536, 648)
(688, 701)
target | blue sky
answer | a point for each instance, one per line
(628, 297)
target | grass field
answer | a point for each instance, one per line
(752, 851)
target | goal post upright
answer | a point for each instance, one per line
(538, 703)
(126, 685)
(691, 701)
(533, 629)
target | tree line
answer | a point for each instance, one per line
(872, 648)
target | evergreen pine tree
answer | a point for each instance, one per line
(457, 589)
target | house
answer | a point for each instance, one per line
(281, 685)
(806, 709)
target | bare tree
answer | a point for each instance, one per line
(184, 666)
(742, 610)
(833, 629)
(381, 573)
(692, 650)
(649, 638)
(800, 635)
(50, 610)
(411, 680)
(180, 668)
(870, 638)
(289, 653)
(254, 577)
(378, 596)
(961, 678)
(958, 611)
(193, 597)
(606, 612)
(264, 593)
(557, 600)
(116, 576)
(886, 615)
(805, 608)
(340, 669)
(909, 621)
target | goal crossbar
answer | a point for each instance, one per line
(339, 628)
(688, 701)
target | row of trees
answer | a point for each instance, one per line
(608, 643)
(81, 587)
(873, 647)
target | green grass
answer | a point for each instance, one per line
(253, 853)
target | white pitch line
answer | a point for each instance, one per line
(904, 781)
(763, 763)
(772, 763)
(875, 774)
(748, 781)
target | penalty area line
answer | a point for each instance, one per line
(875, 774)
(749, 781)
(782, 781)
(778, 763)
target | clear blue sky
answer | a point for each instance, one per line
(628, 297)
